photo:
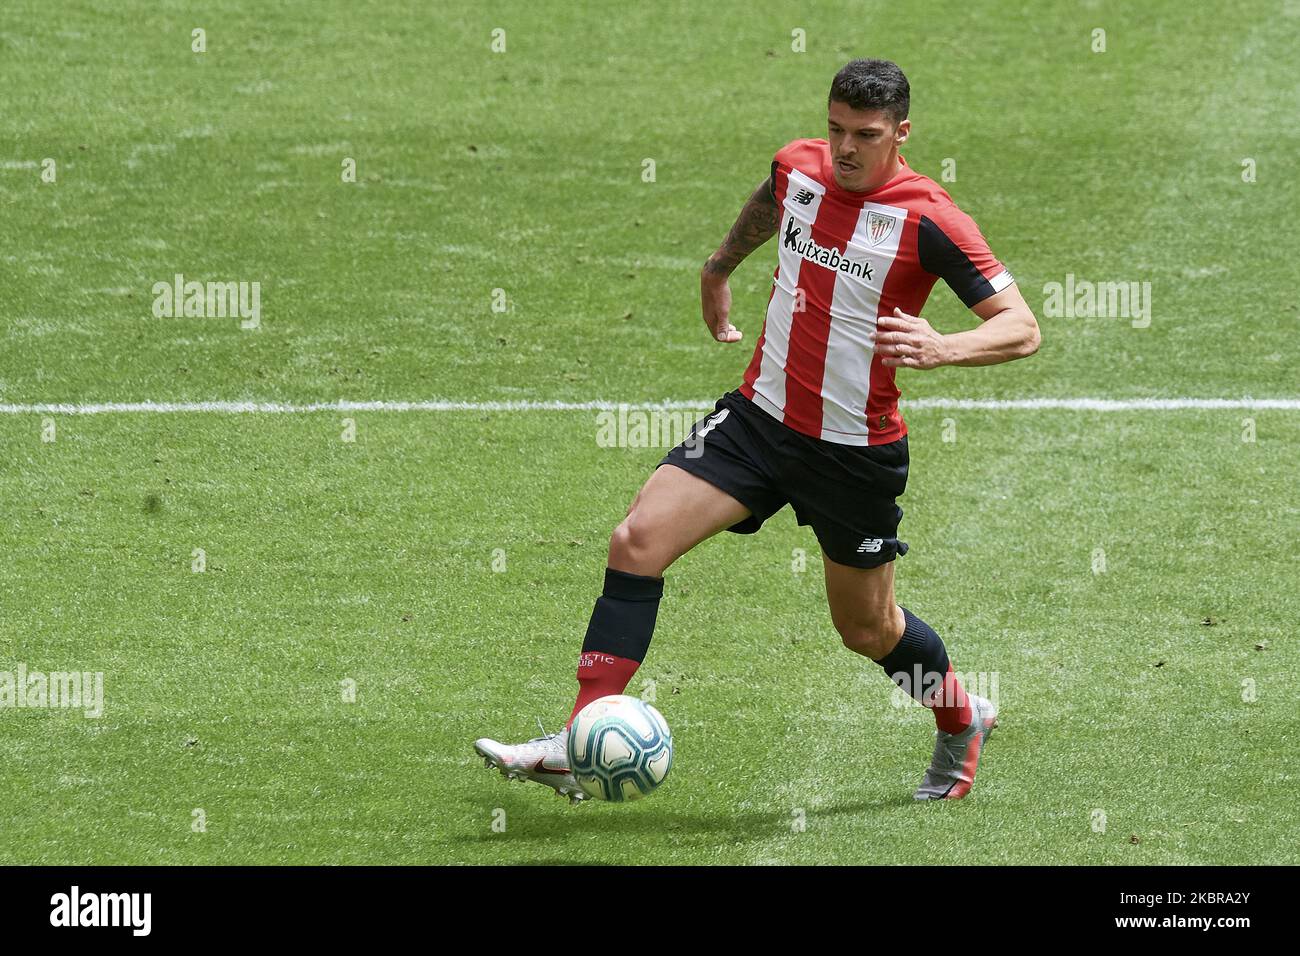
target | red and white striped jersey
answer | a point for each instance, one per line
(846, 258)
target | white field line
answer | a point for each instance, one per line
(920, 404)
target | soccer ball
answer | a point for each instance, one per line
(620, 748)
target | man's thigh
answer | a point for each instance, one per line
(728, 449)
(672, 513)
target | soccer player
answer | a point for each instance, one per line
(862, 239)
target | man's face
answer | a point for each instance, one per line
(862, 145)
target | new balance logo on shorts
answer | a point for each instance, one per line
(870, 545)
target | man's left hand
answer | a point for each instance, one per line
(909, 341)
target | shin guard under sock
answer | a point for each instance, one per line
(618, 635)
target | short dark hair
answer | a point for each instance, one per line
(872, 85)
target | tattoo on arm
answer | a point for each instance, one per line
(757, 223)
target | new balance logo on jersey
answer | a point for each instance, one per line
(823, 256)
(804, 197)
(870, 546)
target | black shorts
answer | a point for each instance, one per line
(846, 492)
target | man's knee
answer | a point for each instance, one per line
(635, 548)
(874, 633)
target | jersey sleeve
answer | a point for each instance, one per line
(782, 160)
(779, 160)
(950, 246)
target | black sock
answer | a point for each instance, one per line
(623, 620)
(920, 661)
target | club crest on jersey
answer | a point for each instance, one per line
(879, 227)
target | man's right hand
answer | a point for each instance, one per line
(715, 298)
(756, 224)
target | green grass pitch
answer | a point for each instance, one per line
(1128, 576)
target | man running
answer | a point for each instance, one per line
(815, 424)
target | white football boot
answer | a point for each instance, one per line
(543, 760)
(956, 756)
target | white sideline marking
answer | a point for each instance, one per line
(1104, 404)
(956, 404)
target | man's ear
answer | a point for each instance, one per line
(901, 134)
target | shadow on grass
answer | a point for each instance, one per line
(527, 824)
